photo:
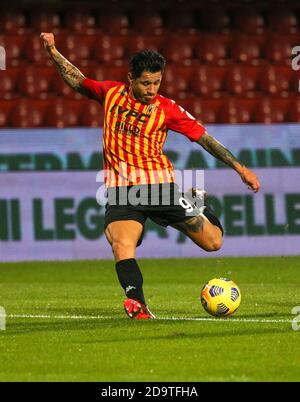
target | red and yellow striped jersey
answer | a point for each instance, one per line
(134, 134)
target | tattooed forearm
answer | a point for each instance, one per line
(69, 73)
(215, 148)
(218, 150)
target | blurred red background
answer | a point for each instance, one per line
(227, 62)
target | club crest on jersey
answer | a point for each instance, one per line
(151, 108)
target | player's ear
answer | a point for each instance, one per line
(129, 76)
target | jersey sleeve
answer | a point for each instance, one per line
(181, 121)
(98, 89)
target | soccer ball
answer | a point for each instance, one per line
(220, 297)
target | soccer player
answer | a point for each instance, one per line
(136, 121)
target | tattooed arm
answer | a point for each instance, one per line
(215, 148)
(69, 73)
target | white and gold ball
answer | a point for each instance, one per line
(220, 297)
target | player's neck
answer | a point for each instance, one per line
(131, 94)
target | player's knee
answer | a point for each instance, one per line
(122, 248)
(214, 243)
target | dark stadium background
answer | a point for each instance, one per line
(228, 61)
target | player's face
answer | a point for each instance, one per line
(145, 87)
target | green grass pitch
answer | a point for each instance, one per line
(65, 322)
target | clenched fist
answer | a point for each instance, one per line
(250, 179)
(48, 39)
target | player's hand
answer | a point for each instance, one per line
(48, 40)
(250, 179)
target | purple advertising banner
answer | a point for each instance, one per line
(56, 216)
(48, 207)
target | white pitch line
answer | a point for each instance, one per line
(99, 317)
(224, 319)
(60, 317)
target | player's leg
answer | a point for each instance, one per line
(202, 231)
(123, 237)
(192, 216)
(204, 228)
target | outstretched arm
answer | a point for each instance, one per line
(69, 73)
(215, 148)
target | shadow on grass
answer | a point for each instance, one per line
(118, 329)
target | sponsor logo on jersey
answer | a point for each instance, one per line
(119, 111)
(127, 128)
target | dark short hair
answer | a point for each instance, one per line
(146, 60)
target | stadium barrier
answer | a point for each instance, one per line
(48, 206)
